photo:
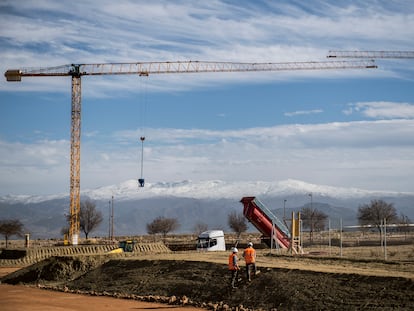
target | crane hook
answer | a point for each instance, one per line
(141, 180)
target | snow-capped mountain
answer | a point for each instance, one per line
(208, 202)
(215, 189)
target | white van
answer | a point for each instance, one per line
(212, 240)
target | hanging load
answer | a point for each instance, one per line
(141, 182)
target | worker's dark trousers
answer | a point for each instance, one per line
(234, 274)
(250, 267)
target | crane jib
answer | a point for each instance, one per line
(371, 54)
(147, 68)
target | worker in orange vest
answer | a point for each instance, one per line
(249, 255)
(234, 266)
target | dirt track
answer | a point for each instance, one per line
(205, 282)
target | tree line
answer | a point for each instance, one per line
(373, 214)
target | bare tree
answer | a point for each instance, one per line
(89, 217)
(375, 213)
(237, 222)
(10, 227)
(162, 225)
(200, 227)
(313, 219)
(152, 227)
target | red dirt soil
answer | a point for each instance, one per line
(24, 298)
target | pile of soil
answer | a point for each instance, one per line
(207, 283)
(55, 270)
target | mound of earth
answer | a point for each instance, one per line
(205, 282)
(55, 270)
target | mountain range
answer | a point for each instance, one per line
(207, 202)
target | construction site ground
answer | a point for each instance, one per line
(194, 279)
(23, 298)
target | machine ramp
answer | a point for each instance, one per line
(263, 219)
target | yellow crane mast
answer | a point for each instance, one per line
(76, 71)
(371, 54)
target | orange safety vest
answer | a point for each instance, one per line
(249, 255)
(232, 262)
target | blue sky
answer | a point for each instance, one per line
(344, 128)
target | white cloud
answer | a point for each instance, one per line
(373, 155)
(27, 166)
(47, 33)
(382, 110)
(302, 112)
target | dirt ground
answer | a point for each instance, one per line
(23, 298)
(202, 280)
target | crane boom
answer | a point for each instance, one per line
(76, 71)
(371, 54)
(146, 68)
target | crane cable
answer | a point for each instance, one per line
(143, 107)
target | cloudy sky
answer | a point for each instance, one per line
(347, 128)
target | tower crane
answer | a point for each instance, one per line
(76, 71)
(371, 54)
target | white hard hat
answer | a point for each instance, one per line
(235, 250)
(250, 244)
